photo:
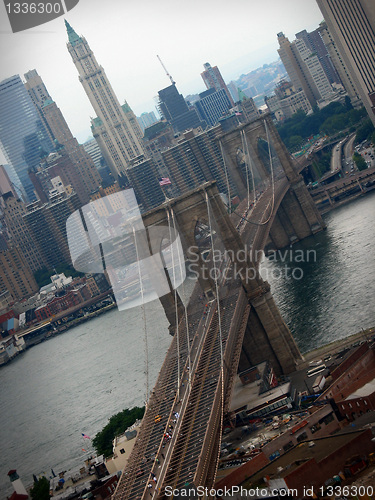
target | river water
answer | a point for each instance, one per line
(72, 384)
(327, 291)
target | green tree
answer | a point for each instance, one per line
(40, 490)
(348, 103)
(117, 424)
(295, 141)
(364, 131)
(42, 276)
(359, 161)
(330, 120)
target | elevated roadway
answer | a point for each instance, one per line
(180, 436)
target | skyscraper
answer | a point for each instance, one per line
(196, 159)
(212, 105)
(13, 211)
(147, 119)
(315, 44)
(15, 274)
(5, 183)
(304, 69)
(352, 26)
(339, 64)
(175, 110)
(59, 130)
(47, 226)
(247, 106)
(23, 136)
(213, 80)
(115, 128)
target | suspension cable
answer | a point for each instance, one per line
(272, 185)
(215, 280)
(248, 156)
(226, 175)
(176, 306)
(219, 323)
(185, 308)
(247, 170)
(144, 318)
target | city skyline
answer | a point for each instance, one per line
(136, 34)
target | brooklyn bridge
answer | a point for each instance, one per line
(230, 322)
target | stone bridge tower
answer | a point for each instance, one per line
(267, 336)
(294, 217)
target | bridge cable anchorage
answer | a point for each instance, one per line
(226, 176)
(181, 263)
(220, 326)
(144, 319)
(263, 223)
(176, 305)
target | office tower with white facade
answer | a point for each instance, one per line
(304, 69)
(352, 26)
(315, 44)
(116, 127)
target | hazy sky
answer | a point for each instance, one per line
(126, 35)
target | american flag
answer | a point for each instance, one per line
(164, 181)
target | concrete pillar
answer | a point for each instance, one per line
(267, 336)
(278, 234)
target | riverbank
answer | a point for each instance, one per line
(59, 324)
(351, 197)
(338, 345)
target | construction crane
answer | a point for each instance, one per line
(165, 69)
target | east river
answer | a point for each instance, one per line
(72, 384)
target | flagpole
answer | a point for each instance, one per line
(164, 181)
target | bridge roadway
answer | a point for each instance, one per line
(257, 221)
(194, 408)
(190, 455)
